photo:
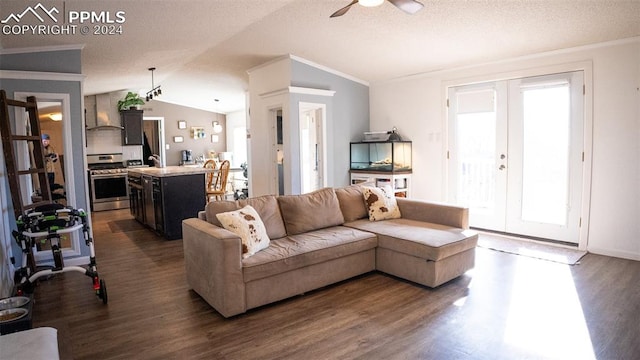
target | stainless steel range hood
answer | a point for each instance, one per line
(106, 115)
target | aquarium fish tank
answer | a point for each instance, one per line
(381, 156)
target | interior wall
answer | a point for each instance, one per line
(46, 59)
(173, 113)
(347, 114)
(264, 80)
(269, 88)
(416, 105)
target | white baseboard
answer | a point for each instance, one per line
(614, 253)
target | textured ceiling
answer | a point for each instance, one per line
(202, 49)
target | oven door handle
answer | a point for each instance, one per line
(106, 176)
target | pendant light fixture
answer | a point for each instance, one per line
(217, 128)
(155, 90)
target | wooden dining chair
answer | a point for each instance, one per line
(210, 177)
(216, 189)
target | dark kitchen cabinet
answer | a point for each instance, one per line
(133, 132)
(136, 197)
(179, 198)
(158, 207)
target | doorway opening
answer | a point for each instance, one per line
(312, 163)
(279, 151)
(154, 142)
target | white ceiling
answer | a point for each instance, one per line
(203, 49)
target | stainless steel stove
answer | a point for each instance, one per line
(107, 182)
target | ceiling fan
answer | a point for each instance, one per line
(408, 6)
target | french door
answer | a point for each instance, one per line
(515, 154)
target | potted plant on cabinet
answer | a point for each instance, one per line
(130, 101)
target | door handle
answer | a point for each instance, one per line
(316, 159)
(502, 167)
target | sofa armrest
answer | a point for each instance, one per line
(213, 264)
(450, 215)
(36, 343)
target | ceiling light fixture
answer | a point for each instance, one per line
(55, 116)
(370, 3)
(155, 90)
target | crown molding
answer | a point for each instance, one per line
(310, 63)
(39, 75)
(328, 69)
(37, 49)
(298, 90)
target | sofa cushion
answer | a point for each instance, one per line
(247, 225)
(421, 239)
(352, 203)
(297, 251)
(266, 206)
(215, 207)
(316, 210)
(381, 203)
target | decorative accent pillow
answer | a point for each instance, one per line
(269, 211)
(381, 203)
(247, 224)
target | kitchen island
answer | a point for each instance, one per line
(161, 198)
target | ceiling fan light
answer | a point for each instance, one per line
(55, 116)
(370, 3)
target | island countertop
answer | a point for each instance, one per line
(169, 171)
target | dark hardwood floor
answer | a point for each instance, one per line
(508, 307)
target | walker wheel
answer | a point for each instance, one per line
(102, 292)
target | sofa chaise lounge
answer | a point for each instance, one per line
(318, 239)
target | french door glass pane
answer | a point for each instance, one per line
(545, 175)
(476, 167)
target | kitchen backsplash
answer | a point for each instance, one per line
(109, 141)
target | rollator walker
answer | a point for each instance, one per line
(50, 222)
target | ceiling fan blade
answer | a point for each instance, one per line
(408, 6)
(344, 9)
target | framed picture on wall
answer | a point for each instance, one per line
(178, 139)
(182, 124)
(197, 132)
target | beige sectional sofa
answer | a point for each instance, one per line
(319, 239)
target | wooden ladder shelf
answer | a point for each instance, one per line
(11, 142)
